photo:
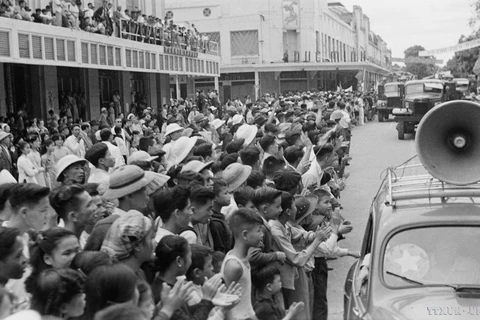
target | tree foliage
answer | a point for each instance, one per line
(462, 63)
(421, 70)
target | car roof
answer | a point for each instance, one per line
(419, 198)
(423, 81)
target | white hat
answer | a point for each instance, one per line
(140, 156)
(217, 123)
(196, 166)
(66, 162)
(247, 132)
(172, 127)
(4, 134)
(180, 150)
(126, 180)
(235, 175)
(6, 177)
(237, 119)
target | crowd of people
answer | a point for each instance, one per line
(107, 20)
(195, 210)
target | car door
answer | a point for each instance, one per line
(360, 274)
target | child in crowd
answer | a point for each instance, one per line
(221, 233)
(246, 226)
(268, 202)
(268, 282)
(327, 249)
(294, 279)
(243, 197)
(200, 269)
(217, 261)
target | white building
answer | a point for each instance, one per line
(325, 44)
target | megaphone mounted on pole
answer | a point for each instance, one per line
(448, 142)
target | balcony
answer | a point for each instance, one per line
(40, 44)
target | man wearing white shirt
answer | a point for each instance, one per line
(75, 143)
(99, 155)
(107, 137)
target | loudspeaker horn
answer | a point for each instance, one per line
(448, 142)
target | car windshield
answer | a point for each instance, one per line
(433, 256)
(392, 91)
(423, 87)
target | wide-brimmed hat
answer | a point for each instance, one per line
(247, 132)
(4, 134)
(305, 206)
(199, 118)
(196, 166)
(180, 149)
(217, 123)
(173, 127)
(236, 119)
(140, 156)
(126, 180)
(232, 109)
(235, 175)
(66, 162)
(336, 115)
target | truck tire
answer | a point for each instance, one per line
(380, 115)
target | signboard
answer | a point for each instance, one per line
(418, 60)
(291, 14)
(459, 47)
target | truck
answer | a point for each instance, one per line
(392, 98)
(420, 97)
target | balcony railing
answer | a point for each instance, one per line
(41, 44)
(135, 31)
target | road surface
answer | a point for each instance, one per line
(374, 148)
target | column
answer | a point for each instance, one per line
(177, 86)
(191, 87)
(164, 87)
(217, 85)
(153, 91)
(3, 92)
(257, 85)
(93, 94)
(125, 91)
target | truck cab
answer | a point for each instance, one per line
(420, 97)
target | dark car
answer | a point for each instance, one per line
(420, 97)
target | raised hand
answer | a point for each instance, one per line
(211, 286)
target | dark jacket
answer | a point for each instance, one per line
(223, 240)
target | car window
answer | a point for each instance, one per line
(433, 255)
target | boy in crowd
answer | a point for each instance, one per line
(268, 202)
(221, 234)
(243, 197)
(327, 249)
(246, 226)
(202, 204)
(268, 283)
(200, 269)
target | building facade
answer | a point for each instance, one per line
(287, 45)
(42, 64)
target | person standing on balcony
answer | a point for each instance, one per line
(101, 15)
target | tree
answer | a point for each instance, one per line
(421, 70)
(462, 63)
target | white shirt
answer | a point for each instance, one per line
(74, 146)
(116, 154)
(101, 177)
(313, 175)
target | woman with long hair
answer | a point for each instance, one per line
(59, 151)
(58, 293)
(54, 248)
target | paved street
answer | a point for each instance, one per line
(374, 148)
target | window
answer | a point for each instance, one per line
(244, 43)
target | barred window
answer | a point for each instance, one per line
(244, 43)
